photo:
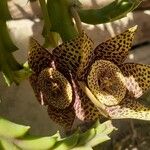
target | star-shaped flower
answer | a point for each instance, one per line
(75, 80)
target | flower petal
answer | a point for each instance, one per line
(85, 110)
(38, 57)
(33, 79)
(116, 49)
(74, 54)
(64, 118)
(129, 108)
(137, 78)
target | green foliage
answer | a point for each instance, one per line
(12, 70)
(7, 61)
(16, 137)
(114, 11)
(60, 17)
(51, 38)
(4, 11)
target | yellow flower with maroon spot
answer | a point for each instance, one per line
(128, 81)
(113, 84)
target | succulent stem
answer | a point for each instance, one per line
(115, 10)
(18, 137)
(50, 37)
(4, 11)
(12, 70)
(76, 18)
(61, 19)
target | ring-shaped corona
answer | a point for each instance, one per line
(106, 82)
(55, 88)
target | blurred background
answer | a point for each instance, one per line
(18, 103)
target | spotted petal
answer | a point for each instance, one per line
(129, 108)
(33, 79)
(85, 110)
(38, 57)
(63, 117)
(137, 78)
(74, 54)
(116, 49)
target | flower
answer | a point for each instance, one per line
(48, 85)
(76, 81)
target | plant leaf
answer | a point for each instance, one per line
(15, 137)
(6, 145)
(67, 143)
(4, 11)
(9, 129)
(114, 11)
(105, 128)
(41, 143)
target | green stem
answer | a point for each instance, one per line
(76, 18)
(50, 37)
(61, 19)
(45, 14)
(18, 137)
(5, 38)
(114, 11)
(8, 64)
(6, 48)
(4, 11)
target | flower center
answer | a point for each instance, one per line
(106, 82)
(55, 88)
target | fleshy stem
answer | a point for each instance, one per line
(61, 20)
(93, 99)
(45, 14)
(114, 11)
(18, 137)
(76, 18)
(11, 69)
(4, 11)
(49, 36)
(8, 64)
